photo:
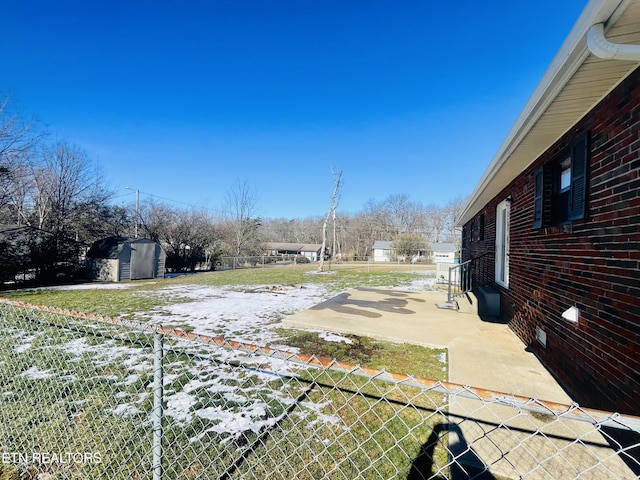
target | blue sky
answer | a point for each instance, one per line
(182, 99)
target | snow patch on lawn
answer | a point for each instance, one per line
(332, 337)
(126, 410)
(233, 399)
(36, 374)
(426, 281)
(245, 314)
(25, 346)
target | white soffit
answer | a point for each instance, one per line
(574, 83)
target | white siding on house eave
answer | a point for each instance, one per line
(574, 83)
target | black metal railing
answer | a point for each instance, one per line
(467, 276)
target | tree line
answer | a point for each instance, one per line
(55, 201)
(396, 218)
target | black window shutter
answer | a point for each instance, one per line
(538, 197)
(578, 194)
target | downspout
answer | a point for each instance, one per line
(603, 48)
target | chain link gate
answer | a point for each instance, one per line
(82, 396)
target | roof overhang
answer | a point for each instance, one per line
(573, 84)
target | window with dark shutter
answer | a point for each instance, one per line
(577, 197)
(538, 197)
(560, 187)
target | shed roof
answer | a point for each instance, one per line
(574, 83)
(443, 247)
(111, 247)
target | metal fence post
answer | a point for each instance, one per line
(158, 395)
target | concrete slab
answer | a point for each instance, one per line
(483, 353)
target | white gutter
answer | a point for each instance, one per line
(603, 48)
(570, 57)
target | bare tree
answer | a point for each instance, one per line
(437, 222)
(374, 221)
(115, 220)
(243, 219)
(155, 219)
(400, 213)
(20, 201)
(19, 140)
(278, 230)
(335, 200)
(452, 212)
(297, 230)
(65, 200)
(356, 233)
(190, 237)
(68, 195)
(186, 239)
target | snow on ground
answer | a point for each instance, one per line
(36, 373)
(425, 280)
(332, 337)
(208, 386)
(248, 314)
(243, 313)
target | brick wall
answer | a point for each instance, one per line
(593, 264)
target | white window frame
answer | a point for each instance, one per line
(503, 215)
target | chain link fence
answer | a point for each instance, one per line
(262, 261)
(85, 397)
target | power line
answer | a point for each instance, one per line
(160, 198)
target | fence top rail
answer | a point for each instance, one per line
(573, 411)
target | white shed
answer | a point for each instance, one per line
(443, 252)
(119, 259)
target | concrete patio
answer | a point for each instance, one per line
(483, 353)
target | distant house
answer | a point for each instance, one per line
(555, 218)
(119, 259)
(383, 251)
(308, 250)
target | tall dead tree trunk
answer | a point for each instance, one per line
(335, 200)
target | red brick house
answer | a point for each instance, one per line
(554, 222)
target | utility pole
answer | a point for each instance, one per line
(135, 229)
(335, 199)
